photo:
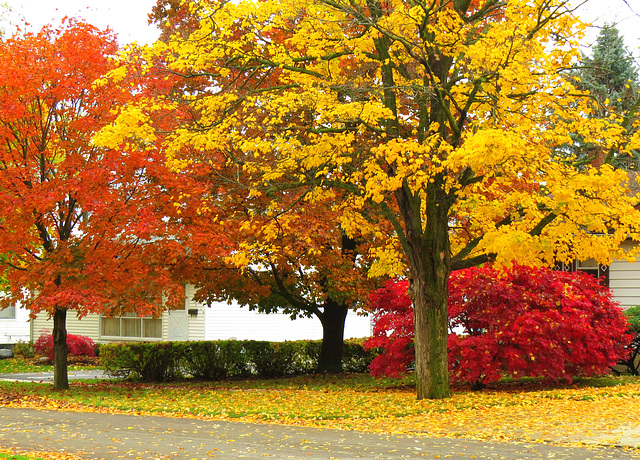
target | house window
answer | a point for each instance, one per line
(8, 313)
(589, 266)
(130, 325)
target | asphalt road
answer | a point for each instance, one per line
(105, 436)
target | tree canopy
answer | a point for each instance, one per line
(430, 126)
(79, 222)
(293, 258)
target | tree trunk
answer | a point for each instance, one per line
(333, 319)
(430, 319)
(429, 255)
(60, 350)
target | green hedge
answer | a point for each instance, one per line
(151, 362)
(355, 358)
(223, 359)
(631, 364)
(214, 360)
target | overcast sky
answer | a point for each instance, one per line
(625, 14)
(129, 17)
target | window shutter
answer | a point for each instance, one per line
(603, 274)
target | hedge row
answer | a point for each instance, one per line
(223, 359)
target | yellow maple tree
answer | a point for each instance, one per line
(442, 115)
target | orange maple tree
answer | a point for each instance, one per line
(304, 265)
(83, 227)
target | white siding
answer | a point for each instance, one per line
(13, 330)
(224, 321)
(165, 328)
(39, 325)
(358, 326)
(221, 321)
(624, 281)
(197, 324)
(88, 326)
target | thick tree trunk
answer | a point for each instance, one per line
(430, 319)
(333, 319)
(60, 350)
(430, 269)
(429, 253)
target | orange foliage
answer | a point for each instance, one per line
(292, 257)
(83, 227)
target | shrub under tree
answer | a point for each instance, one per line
(515, 322)
(632, 361)
(79, 345)
(392, 329)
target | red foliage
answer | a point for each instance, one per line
(79, 345)
(515, 322)
(392, 330)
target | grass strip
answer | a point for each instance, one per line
(5, 456)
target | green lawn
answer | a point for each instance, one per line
(509, 410)
(17, 457)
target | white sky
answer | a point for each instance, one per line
(129, 17)
(625, 14)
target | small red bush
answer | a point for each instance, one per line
(515, 322)
(79, 345)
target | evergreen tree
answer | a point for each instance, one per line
(611, 77)
(610, 74)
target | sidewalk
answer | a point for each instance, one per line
(106, 436)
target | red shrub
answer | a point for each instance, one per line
(392, 329)
(79, 345)
(516, 322)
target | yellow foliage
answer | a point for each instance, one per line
(407, 109)
(132, 123)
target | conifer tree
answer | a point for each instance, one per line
(611, 76)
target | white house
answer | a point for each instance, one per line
(14, 325)
(223, 321)
(198, 322)
(624, 282)
(622, 277)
